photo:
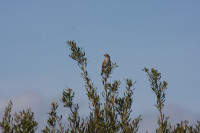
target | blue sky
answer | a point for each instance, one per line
(35, 66)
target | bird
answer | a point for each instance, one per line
(106, 63)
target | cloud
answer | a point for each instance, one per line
(41, 106)
(29, 99)
(175, 112)
(178, 113)
(24, 100)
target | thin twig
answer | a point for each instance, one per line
(59, 124)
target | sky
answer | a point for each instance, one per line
(35, 64)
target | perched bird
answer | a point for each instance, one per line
(106, 63)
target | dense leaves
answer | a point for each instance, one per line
(109, 113)
(113, 115)
(22, 122)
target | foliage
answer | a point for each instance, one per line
(110, 116)
(184, 127)
(159, 89)
(22, 122)
(53, 118)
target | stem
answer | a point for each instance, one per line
(88, 84)
(59, 124)
(161, 116)
(106, 96)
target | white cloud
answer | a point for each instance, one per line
(26, 100)
(41, 106)
(176, 113)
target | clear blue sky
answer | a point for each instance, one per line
(34, 62)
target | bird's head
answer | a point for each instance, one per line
(106, 55)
